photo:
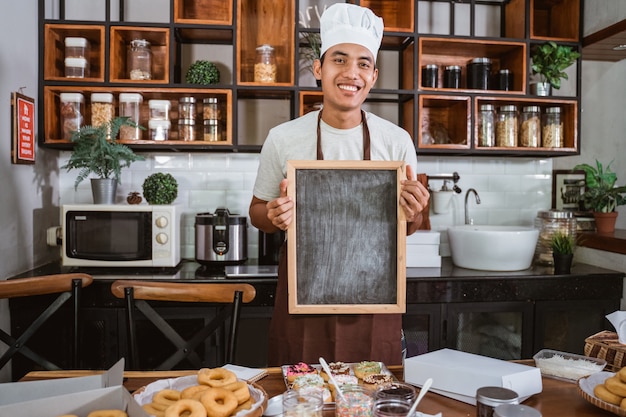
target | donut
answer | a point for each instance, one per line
(616, 386)
(190, 392)
(622, 404)
(622, 374)
(166, 396)
(219, 402)
(374, 381)
(246, 405)
(365, 368)
(299, 369)
(336, 368)
(305, 381)
(604, 394)
(241, 391)
(216, 377)
(187, 408)
(154, 409)
(107, 413)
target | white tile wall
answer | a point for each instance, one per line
(511, 190)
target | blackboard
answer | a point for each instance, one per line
(347, 242)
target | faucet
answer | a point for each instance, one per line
(471, 190)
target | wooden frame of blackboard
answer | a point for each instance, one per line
(347, 241)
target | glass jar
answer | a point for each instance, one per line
(391, 407)
(102, 110)
(130, 107)
(186, 130)
(265, 66)
(506, 127)
(71, 113)
(76, 68)
(210, 110)
(530, 127)
(488, 398)
(76, 47)
(405, 392)
(478, 73)
(552, 128)
(549, 222)
(140, 60)
(159, 109)
(187, 108)
(430, 75)
(356, 401)
(486, 125)
(515, 410)
(452, 76)
(159, 129)
(211, 131)
(302, 404)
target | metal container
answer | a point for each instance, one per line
(478, 73)
(488, 398)
(221, 237)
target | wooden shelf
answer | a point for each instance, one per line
(54, 51)
(159, 39)
(444, 116)
(557, 20)
(203, 12)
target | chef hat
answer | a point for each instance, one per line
(349, 23)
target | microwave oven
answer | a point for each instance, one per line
(115, 235)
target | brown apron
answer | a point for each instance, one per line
(347, 337)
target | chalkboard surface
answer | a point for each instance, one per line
(346, 245)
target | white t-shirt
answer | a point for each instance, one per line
(297, 140)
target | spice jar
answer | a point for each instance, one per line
(187, 108)
(71, 113)
(530, 128)
(265, 66)
(76, 68)
(76, 47)
(159, 129)
(452, 76)
(487, 125)
(488, 398)
(430, 75)
(102, 110)
(140, 60)
(210, 110)
(478, 73)
(552, 128)
(549, 222)
(211, 131)
(159, 109)
(186, 130)
(130, 107)
(506, 127)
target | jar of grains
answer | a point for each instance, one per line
(187, 130)
(140, 60)
(71, 113)
(530, 128)
(265, 66)
(506, 127)
(549, 222)
(552, 128)
(211, 131)
(102, 110)
(487, 125)
(159, 109)
(210, 110)
(130, 107)
(187, 108)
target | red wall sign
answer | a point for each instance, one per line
(23, 149)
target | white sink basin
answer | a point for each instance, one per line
(492, 248)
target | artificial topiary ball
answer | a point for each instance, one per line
(202, 72)
(160, 188)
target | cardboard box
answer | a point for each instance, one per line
(424, 237)
(422, 250)
(458, 374)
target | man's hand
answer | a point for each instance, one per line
(413, 199)
(280, 210)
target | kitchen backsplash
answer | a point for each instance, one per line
(511, 190)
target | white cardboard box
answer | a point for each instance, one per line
(458, 374)
(424, 237)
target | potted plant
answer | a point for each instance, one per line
(550, 61)
(601, 195)
(160, 188)
(563, 244)
(311, 50)
(97, 153)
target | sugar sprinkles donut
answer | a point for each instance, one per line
(377, 380)
(241, 391)
(216, 377)
(299, 369)
(186, 407)
(166, 396)
(107, 413)
(365, 368)
(336, 368)
(219, 402)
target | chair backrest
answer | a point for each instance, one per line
(228, 297)
(45, 284)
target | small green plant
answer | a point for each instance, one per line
(601, 196)
(160, 188)
(202, 72)
(312, 48)
(97, 152)
(563, 243)
(550, 60)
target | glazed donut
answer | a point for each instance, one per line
(622, 374)
(365, 368)
(216, 377)
(604, 394)
(241, 391)
(219, 402)
(187, 408)
(377, 380)
(190, 392)
(166, 396)
(154, 409)
(616, 386)
(107, 413)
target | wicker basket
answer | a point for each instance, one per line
(605, 345)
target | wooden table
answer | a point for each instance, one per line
(558, 398)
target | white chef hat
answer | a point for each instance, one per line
(349, 23)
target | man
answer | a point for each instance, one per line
(351, 36)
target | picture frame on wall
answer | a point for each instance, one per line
(568, 187)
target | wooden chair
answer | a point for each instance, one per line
(67, 286)
(227, 297)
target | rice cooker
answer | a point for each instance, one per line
(221, 238)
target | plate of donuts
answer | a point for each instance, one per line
(604, 390)
(216, 392)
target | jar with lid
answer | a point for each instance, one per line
(159, 109)
(265, 66)
(530, 127)
(549, 222)
(210, 110)
(71, 113)
(159, 129)
(129, 106)
(488, 398)
(486, 125)
(478, 73)
(76, 68)
(187, 130)
(503, 80)
(102, 110)
(140, 60)
(187, 108)
(552, 128)
(76, 47)
(211, 131)
(452, 76)
(507, 127)
(430, 75)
